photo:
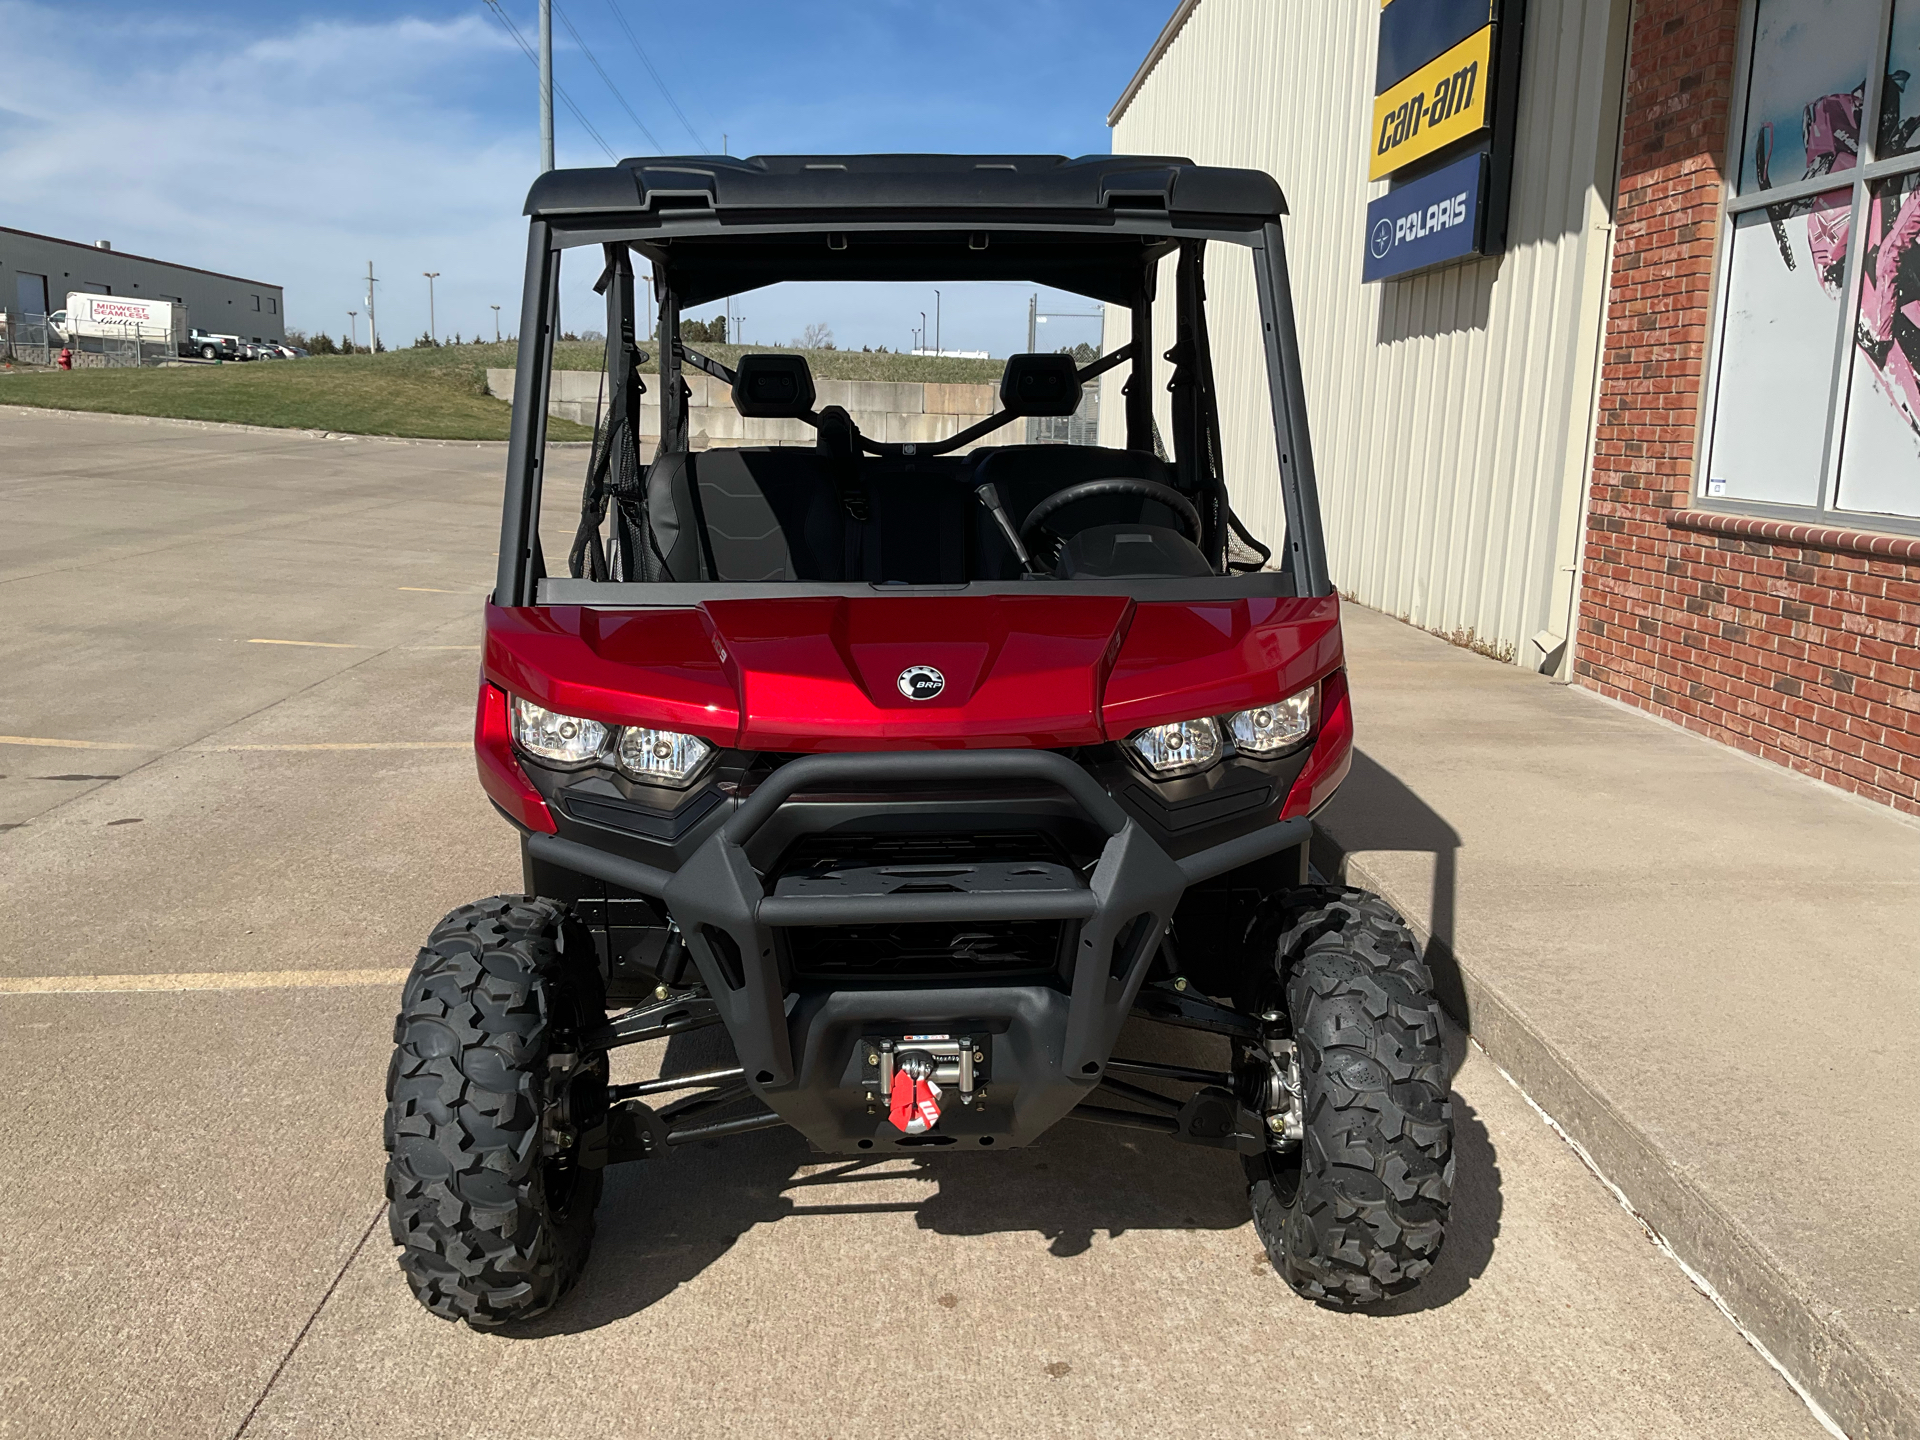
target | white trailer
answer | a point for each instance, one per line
(114, 317)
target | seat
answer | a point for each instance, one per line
(1027, 474)
(787, 513)
(768, 514)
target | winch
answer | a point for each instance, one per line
(903, 1075)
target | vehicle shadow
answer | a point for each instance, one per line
(663, 1222)
(1376, 811)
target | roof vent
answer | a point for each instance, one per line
(103, 244)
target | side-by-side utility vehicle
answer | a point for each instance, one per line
(920, 759)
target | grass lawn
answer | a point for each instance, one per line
(426, 393)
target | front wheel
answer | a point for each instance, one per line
(1356, 1210)
(491, 1106)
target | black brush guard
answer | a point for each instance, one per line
(802, 1052)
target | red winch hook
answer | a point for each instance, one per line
(914, 1105)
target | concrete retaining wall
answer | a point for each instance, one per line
(908, 411)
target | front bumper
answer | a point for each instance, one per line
(800, 1045)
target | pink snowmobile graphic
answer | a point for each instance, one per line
(1888, 333)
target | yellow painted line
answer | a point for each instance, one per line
(50, 744)
(341, 745)
(197, 980)
(311, 644)
(427, 590)
(474, 648)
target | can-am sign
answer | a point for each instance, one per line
(1445, 100)
(1445, 82)
(1426, 222)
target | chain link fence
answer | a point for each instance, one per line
(27, 337)
(112, 352)
(1080, 428)
(32, 340)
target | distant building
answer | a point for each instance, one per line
(37, 272)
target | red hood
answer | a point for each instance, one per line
(822, 673)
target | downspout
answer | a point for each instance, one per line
(1570, 550)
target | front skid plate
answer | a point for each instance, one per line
(1022, 1030)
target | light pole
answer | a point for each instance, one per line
(353, 330)
(496, 324)
(373, 329)
(546, 86)
(923, 331)
(432, 328)
(936, 324)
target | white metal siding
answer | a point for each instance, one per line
(1450, 411)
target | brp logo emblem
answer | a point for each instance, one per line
(1382, 239)
(921, 682)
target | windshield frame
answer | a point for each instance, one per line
(522, 577)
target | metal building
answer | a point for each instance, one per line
(38, 272)
(1453, 410)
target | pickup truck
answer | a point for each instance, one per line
(209, 347)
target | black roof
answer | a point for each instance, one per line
(962, 185)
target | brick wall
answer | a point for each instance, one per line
(1803, 653)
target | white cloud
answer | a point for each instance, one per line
(296, 151)
(293, 157)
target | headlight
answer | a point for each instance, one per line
(1269, 729)
(665, 757)
(559, 739)
(1180, 748)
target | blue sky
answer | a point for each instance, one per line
(293, 142)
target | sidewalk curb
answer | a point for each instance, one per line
(281, 430)
(1866, 1399)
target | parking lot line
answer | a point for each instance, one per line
(338, 745)
(312, 644)
(196, 980)
(45, 742)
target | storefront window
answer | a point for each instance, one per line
(1816, 398)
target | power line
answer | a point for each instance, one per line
(634, 40)
(528, 50)
(592, 60)
(566, 99)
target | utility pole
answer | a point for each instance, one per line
(353, 330)
(496, 324)
(1033, 323)
(936, 324)
(546, 86)
(723, 143)
(432, 328)
(373, 329)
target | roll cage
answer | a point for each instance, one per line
(716, 226)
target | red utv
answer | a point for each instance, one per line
(920, 765)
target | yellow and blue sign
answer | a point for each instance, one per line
(1447, 99)
(1442, 132)
(1428, 221)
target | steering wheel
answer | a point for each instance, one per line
(1112, 485)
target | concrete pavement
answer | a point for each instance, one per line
(191, 1236)
(1701, 964)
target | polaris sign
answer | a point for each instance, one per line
(1430, 221)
